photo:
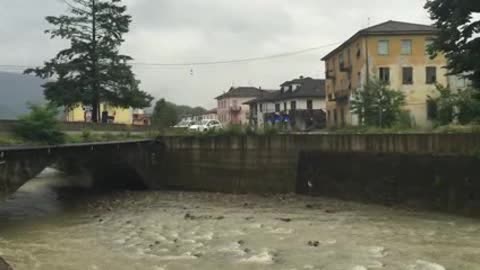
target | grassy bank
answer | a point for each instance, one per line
(7, 139)
(87, 136)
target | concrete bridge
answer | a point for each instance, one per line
(113, 164)
(432, 171)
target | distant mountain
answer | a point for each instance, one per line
(16, 90)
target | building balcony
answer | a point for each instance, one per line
(344, 67)
(342, 96)
(235, 109)
(301, 119)
(330, 75)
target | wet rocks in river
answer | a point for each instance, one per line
(424, 265)
(314, 243)
(189, 216)
(285, 219)
(4, 265)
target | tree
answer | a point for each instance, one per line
(467, 106)
(460, 105)
(92, 70)
(183, 111)
(164, 114)
(40, 125)
(444, 105)
(377, 105)
(458, 37)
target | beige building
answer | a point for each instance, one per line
(395, 52)
(231, 108)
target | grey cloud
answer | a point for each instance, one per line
(209, 30)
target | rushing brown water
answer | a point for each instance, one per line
(45, 228)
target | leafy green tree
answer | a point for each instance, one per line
(40, 125)
(444, 104)
(377, 105)
(467, 106)
(91, 70)
(458, 37)
(183, 110)
(458, 105)
(164, 114)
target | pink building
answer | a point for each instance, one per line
(231, 108)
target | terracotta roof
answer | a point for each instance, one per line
(242, 92)
(389, 28)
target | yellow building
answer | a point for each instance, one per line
(116, 115)
(392, 51)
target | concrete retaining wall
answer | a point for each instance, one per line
(435, 171)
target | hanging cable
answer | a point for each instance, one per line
(207, 63)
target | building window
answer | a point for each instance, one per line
(406, 47)
(293, 105)
(341, 60)
(407, 73)
(349, 56)
(432, 109)
(342, 116)
(261, 108)
(277, 107)
(285, 106)
(428, 44)
(335, 120)
(309, 104)
(383, 47)
(431, 75)
(384, 74)
(329, 116)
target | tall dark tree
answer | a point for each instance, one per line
(164, 114)
(92, 70)
(459, 36)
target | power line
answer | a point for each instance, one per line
(241, 60)
(209, 63)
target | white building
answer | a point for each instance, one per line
(300, 104)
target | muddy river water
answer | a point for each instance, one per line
(46, 226)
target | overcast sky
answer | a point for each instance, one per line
(179, 31)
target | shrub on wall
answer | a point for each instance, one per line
(40, 125)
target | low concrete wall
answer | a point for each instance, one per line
(434, 171)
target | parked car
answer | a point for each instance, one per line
(205, 125)
(184, 124)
